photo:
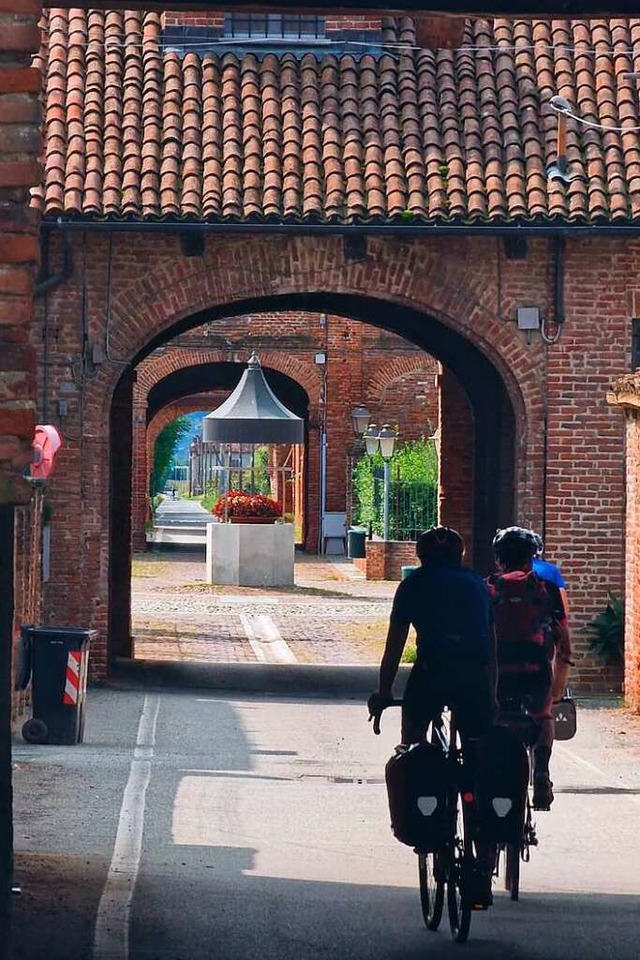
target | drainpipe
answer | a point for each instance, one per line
(559, 245)
(49, 281)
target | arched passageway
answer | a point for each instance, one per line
(400, 289)
(490, 483)
(198, 387)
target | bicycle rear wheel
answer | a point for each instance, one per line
(459, 880)
(431, 876)
(512, 869)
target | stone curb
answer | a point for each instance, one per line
(347, 682)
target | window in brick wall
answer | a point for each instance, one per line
(273, 27)
(260, 33)
(635, 344)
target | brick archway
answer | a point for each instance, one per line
(403, 288)
(149, 419)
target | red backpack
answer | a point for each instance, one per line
(523, 615)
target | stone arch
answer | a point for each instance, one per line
(387, 373)
(156, 367)
(405, 287)
(391, 388)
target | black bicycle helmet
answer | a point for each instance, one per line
(515, 546)
(440, 545)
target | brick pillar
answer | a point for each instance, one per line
(20, 146)
(455, 507)
(140, 475)
(312, 504)
(20, 142)
(627, 395)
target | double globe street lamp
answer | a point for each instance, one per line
(380, 440)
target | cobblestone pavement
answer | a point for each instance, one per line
(331, 615)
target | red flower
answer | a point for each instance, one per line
(241, 504)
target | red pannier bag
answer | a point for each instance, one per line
(417, 786)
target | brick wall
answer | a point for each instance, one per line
(626, 395)
(204, 18)
(20, 145)
(385, 558)
(19, 246)
(632, 586)
(28, 576)
(445, 297)
(456, 461)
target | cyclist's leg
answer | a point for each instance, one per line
(422, 701)
(541, 712)
(474, 712)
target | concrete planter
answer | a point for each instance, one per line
(250, 555)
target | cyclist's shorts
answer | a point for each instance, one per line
(536, 687)
(466, 691)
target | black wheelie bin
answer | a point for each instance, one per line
(56, 661)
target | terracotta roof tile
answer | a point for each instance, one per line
(132, 130)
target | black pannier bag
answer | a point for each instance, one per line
(417, 788)
(502, 775)
(565, 718)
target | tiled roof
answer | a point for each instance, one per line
(453, 136)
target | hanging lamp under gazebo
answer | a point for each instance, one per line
(252, 414)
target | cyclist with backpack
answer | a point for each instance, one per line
(450, 609)
(533, 644)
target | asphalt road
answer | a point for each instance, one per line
(244, 825)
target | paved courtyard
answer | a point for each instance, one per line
(331, 615)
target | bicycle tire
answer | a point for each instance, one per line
(512, 870)
(459, 876)
(432, 886)
(458, 902)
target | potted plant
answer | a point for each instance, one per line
(238, 506)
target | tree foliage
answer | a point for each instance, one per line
(166, 444)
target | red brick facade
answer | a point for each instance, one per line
(385, 559)
(627, 396)
(444, 297)
(456, 298)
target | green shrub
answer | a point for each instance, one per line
(606, 630)
(413, 490)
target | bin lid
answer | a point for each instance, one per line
(71, 632)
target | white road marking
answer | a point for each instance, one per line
(265, 639)
(111, 934)
(561, 748)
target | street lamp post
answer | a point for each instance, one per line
(387, 441)
(378, 440)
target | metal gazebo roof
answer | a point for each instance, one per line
(252, 414)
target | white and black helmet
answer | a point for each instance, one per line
(524, 541)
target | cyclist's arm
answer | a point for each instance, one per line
(565, 601)
(396, 639)
(562, 638)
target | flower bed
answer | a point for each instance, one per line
(238, 503)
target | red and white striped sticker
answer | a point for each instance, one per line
(72, 678)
